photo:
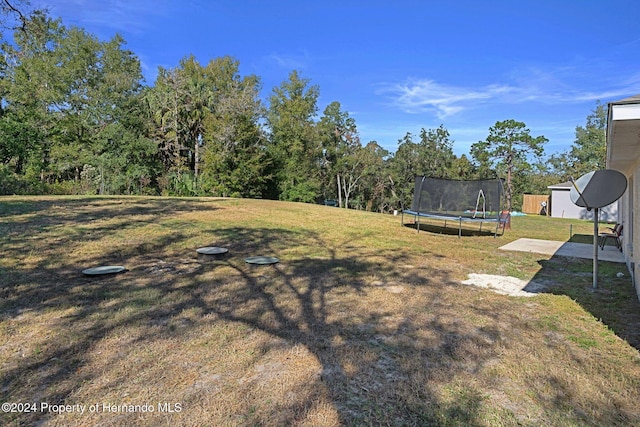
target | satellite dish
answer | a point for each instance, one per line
(598, 189)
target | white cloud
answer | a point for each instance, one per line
(418, 96)
(529, 85)
(290, 61)
(131, 16)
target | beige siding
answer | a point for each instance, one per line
(633, 224)
(629, 206)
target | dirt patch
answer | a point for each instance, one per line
(506, 285)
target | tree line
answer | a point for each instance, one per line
(77, 118)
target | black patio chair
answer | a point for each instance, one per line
(615, 234)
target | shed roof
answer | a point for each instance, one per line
(630, 100)
(562, 186)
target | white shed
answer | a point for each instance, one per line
(563, 207)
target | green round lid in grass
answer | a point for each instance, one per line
(105, 269)
(261, 260)
(212, 250)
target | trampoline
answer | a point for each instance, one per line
(459, 202)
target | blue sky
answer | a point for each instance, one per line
(398, 66)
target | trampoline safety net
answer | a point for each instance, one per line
(480, 199)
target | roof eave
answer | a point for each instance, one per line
(623, 135)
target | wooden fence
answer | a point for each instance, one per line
(532, 204)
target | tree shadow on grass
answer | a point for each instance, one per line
(304, 301)
(614, 302)
(389, 339)
(615, 305)
(299, 303)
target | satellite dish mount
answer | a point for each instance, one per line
(596, 190)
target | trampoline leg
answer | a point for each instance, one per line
(460, 228)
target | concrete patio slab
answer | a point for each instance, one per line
(578, 250)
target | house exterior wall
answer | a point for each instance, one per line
(629, 204)
(631, 239)
(563, 207)
(623, 154)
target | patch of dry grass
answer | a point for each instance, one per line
(363, 322)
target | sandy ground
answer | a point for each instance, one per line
(505, 285)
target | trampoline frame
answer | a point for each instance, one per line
(501, 218)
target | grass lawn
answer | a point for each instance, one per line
(363, 321)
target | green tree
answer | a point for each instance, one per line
(403, 168)
(32, 93)
(432, 156)
(195, 106)
(207, 129)
(19, 139)
(557, 167)
(340, 142)
(165, 103)
(462, 168)
(540, 175)
(350, 169)
(374, 194)
(235, 157)
(435, 151)
(294, 145)
(506, 148)
(75, 100)
(99, 123)
(588, 151)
